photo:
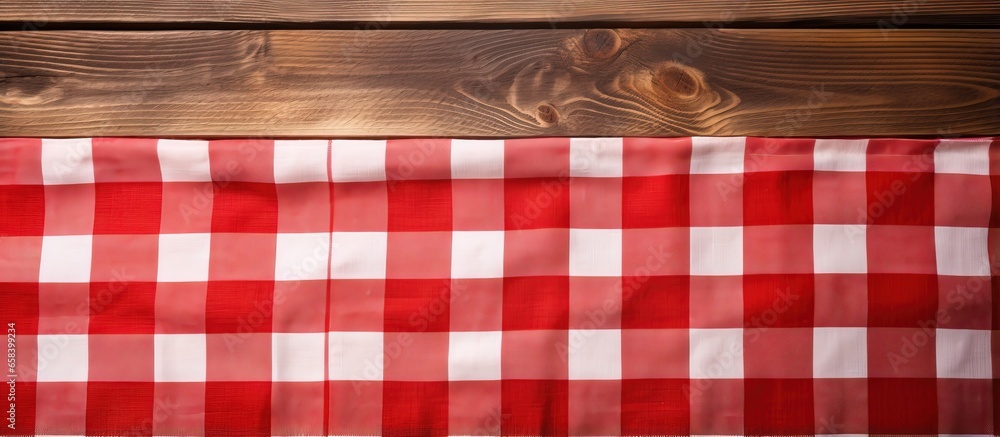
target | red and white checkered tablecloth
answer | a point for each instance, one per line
(552, 286)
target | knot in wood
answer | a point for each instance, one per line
(678, 79)
(547, 114)
(601, 43)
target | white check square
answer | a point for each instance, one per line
(595, 252)
(184, 161)
(962, 157)
(356, 356)
(962, 251)
(297, 356)
(477, 254)
(67, 161)
(716, 353)
(357, 160)
(595, 354)
(477, 159)
(63, 358)
(595, 157)
(358, 255)
(474, 356)
(840, 249)
(964, 353)
(717, 155)
(179, 357)
(300, 257)
(717, 251)
(840, 352)
(183, 257)
(300, 161)
(66, 258)
(840, 155)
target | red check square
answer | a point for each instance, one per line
(521, 400)
(23, 209)
(655, 201)
(239, 306)
(127, 208)
(106, 413)
(778, 198)
(122, 308)
(902, 300)
(536, 302)
(536, 203)
(780, 406)
(785, 301)
(420, 205)
(415, 408)
(245, 207)
(655, 407)
(902, 406)
(901, 198)
(658, 302)
(227, 404)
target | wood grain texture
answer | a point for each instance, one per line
(382, 13)
(500, 83)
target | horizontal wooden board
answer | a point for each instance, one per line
(386, 13)
(500, 83)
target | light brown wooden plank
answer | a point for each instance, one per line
(463, 83)
(382, 13)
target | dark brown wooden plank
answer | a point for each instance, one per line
(476, 83)
(382, 13)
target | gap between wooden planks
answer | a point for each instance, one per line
(553, 13)
(500, 83)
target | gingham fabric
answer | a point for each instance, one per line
(704, 286)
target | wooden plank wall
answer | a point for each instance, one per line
(311, 68)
